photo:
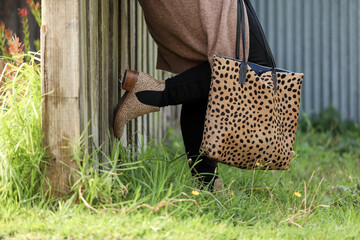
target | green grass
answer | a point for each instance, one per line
(149, 196)
(21, 148)
(254, 204)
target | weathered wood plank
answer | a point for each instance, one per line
(84, 86)
(139, 66)
(146, 59)
(132, 137)
(114, 63)
(124, 49)
(94, 70)
(60, 70)
(104, 31)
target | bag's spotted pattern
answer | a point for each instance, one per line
(247, 125)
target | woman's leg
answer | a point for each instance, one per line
(190, 86)
(191, 89)
(192, 127)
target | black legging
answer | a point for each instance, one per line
(191, 89)
(192, 127)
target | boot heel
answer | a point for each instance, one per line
(129, 81)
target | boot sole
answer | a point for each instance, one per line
(128, 84)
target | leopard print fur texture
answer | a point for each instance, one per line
(248, 125)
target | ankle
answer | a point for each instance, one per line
(152, 98)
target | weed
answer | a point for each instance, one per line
(21, 148)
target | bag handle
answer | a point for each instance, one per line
(243, 65)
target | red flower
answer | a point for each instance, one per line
(29, 1)
(23, 12)
(16, 47)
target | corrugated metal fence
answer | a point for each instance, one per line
(321, 39)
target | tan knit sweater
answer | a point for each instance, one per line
(189, 32)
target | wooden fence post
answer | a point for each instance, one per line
(79, 45)
(60, 70)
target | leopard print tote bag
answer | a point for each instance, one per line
(252, 111)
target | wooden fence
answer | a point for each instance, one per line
(86, 45)
(138, 51)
